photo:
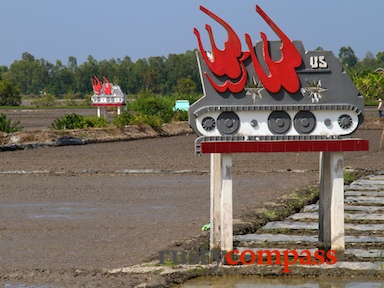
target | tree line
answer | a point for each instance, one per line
(160, 75)
(177, 73)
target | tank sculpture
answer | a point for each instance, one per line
(275, 90)
(106, 94)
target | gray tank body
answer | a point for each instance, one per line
(327, 105)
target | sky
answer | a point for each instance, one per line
(57, 29)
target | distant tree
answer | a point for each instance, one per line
(380, 59)
(22, 72)
(72, 63)
(185, 86)
(84, 74)
(9, 93)
(157, 74)
(62, 79)
(347, 57)
(3, 69)
(27, 57)
(180, 66)
(124, 75)
(141, 77)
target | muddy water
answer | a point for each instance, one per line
(266, 282)
(8, 285)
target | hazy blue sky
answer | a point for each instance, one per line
(57, 29)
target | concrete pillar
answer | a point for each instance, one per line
(226, 203)
(331, 202)
(221, 218)
(215, 196)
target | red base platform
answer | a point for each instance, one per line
(285, 146)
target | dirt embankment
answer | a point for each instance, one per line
(35, 138)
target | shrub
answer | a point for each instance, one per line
(9, 93)
(94, 121)
(160, 106)
(7, 126)
(46, 100)
(152, 120)
(180, 115)
(123, 119)
(75, 121)
(185, 86)
(70, 99)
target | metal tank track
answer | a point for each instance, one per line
(310, 107)
(307, 119)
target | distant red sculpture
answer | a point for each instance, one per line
(107, 87)
(97, 85)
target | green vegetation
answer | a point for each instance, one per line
(350, 176)
(45, 100)
(147, 109)
(160, 75)
(144, 119)
(123, 119)
(75, 121)
(153, 85)
(153, 110)
(175, 76)
(7, 126)
(9, 93)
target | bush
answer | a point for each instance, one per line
(46, 100)
(180, 115)
(152, 120)
(7, 126)
(123, 119)
(87, 101)
(75, 121)
(70, 99)
(160, 106)
(94, 121)
(9, 93)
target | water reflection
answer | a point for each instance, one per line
(282, 282)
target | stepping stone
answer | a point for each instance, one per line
(347, 216)
(369, 209)
(362, 193)
(365, 200)
(315, 226)
(260, 238)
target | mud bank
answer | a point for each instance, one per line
(46, 138)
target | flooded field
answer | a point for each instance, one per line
(282, 282)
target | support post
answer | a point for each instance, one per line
(118, 110)
(98, 111)
(331, 202)
(215, 191)
(221, 218)
(226, 203)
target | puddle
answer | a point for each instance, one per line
(53, 216)
(24, 286)
(282, 282)
(52, 210)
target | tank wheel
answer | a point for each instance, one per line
(345, 121)
(279, 122)
(228, 123)
(304, 122)
(208, 123)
